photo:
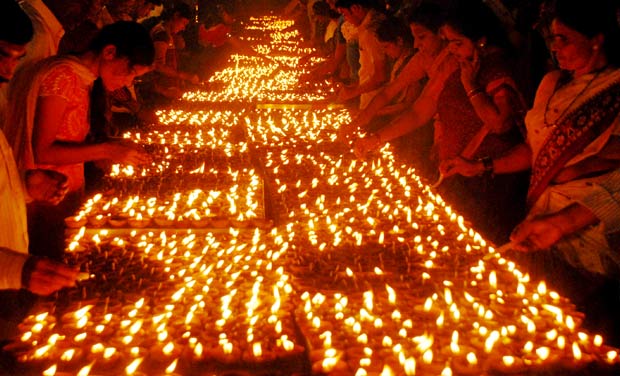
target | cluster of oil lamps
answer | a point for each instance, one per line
(367, 272)
(200, 176)
(271, 74)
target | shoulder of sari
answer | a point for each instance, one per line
(577, 129)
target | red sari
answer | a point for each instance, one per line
(494, 204)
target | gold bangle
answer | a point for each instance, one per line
(474, 92)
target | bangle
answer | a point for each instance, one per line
(473, 92)
(487, 163)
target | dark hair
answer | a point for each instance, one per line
(368, 4)
(429, 15)
(131, 40)
(155, 2)
(475, 20)
(321, 8)
(15, 26)
(591, 19)
(178, 8)
(391, 29)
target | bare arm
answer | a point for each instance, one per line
(421, 113)
(544, 231)
(410, 76)
(47, 150)
(517, 159)
(495, 103)
(495, 110)
(330, 66)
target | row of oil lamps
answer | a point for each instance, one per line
(367, 273)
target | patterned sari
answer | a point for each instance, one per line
(570, 135)
(568, 124)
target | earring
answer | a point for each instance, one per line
(595, 47)
(481, 45)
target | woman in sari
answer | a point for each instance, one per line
(573, 149)
(48, 120)
(476, 106)
(407, 79)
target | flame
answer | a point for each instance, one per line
(170, 369)
(410, 366)
(85, 371)
(67, 356)
(257, 350)
(577, 351)
(50, 371)
(167, 350)
(471, 359)
(133, 366)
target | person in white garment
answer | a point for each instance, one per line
(17, 269)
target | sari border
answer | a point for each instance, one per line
(578, 129)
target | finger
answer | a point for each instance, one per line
(521, 247)
(521, 233)
(476, 58)
(56, 268)
(44, 284)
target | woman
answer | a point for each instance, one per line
(476, 106)
(48, 119)
(573, 149)
(167, 80)
(407, 81)
(424, 24)
(397, 42)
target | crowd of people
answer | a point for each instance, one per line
(523, 142)
(72, 75)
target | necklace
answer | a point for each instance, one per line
(570, 105)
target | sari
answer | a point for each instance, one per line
(567, 124)
(67, 77)
(493, 203)
(24, 92)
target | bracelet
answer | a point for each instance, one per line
(487, 163)
(473, 92)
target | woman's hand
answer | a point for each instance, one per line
(43, 276)
(46, 185)
(130, 154)
(461, 166)
(469, 71)
(535, 234)
(363, 146)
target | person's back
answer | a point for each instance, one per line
(48, 31)
(17, 268)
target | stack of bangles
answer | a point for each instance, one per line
(474, 92)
